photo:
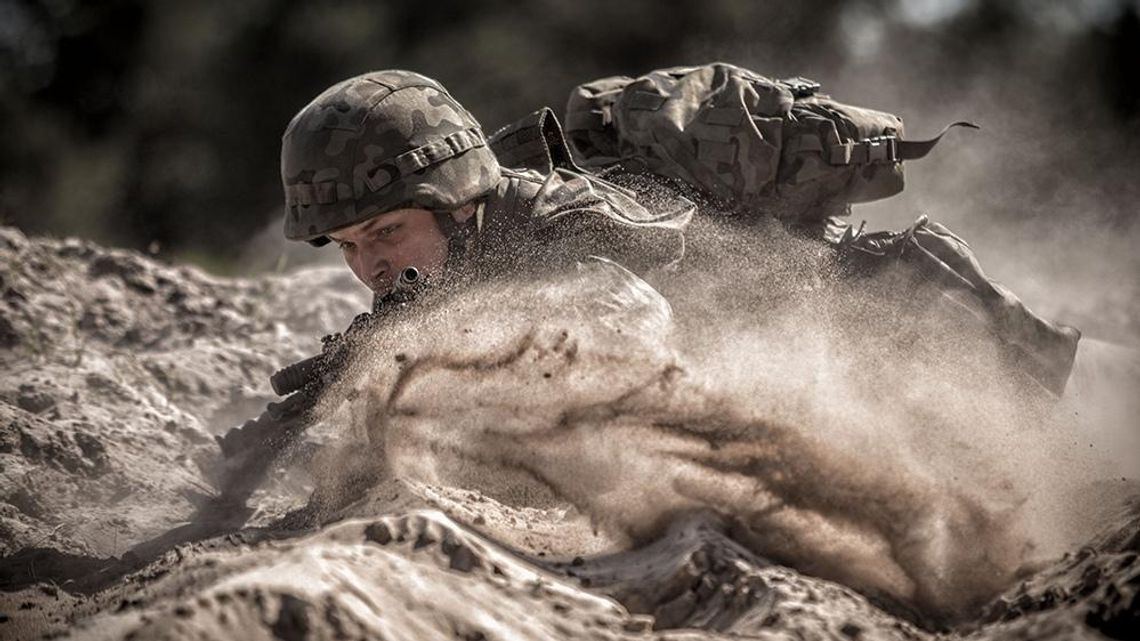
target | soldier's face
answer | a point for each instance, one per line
(378, 249)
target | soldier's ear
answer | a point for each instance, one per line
(464, 213)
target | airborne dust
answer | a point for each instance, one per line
(869, 433)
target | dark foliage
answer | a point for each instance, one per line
(138, 122)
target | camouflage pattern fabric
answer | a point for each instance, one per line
(780, 148)
(568, 206)
(776, 147)
(377, 142)
(543, 221)
(534, 141)
(1040, 348)
(389, 139)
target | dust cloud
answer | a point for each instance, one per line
(867, 432)
(1044, 192)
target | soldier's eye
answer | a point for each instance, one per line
(345, 245)
(388, 230)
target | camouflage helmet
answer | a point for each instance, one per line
(375, 143)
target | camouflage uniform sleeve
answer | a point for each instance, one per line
(1043, 349)
(576, 216)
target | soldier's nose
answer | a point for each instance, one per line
(376, 265)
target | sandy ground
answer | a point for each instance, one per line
(543, 474)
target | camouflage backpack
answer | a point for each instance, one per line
(756, 144)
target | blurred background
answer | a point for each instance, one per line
(155, 124)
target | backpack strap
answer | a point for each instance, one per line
(912, 149)
(533, 142)
(882, 149)
(595, 120)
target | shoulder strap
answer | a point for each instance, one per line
(533, 142)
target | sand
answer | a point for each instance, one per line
(554, 461)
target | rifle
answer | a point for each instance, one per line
(251, 449)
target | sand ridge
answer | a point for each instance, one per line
(120, 369)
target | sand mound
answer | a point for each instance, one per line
(570, 468)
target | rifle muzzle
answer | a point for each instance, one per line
(409, 277)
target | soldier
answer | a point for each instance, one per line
(390, 167)
(397, 173)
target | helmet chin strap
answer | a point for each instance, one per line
(459, 236)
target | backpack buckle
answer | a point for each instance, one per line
(881, 149)
(607, 115)
(801, 87)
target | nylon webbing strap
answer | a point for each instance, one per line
(869, 150)
(438, 150)
(531, 154)
(327, 192)
(727, 116)
(886, 149)
(533, 142)
(299, 194)
(593, 120)
(804, 142)
(645, 100)
(306, 194)
(685, 160)
(912, 149)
